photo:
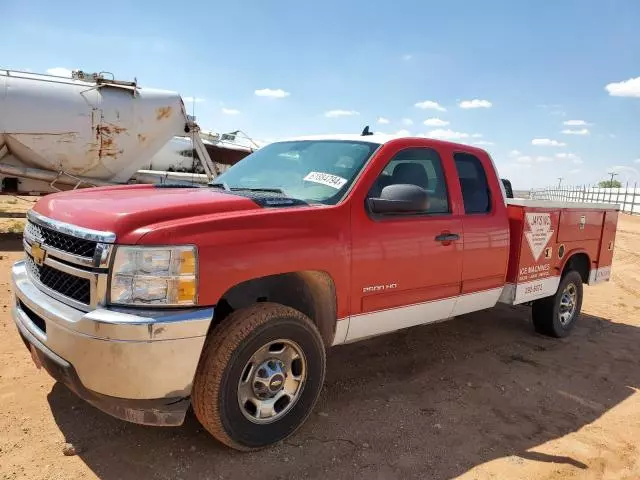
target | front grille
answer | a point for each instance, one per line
(76, 288)
(61, 241)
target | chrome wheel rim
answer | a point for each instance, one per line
(568, 303)
(272, 381)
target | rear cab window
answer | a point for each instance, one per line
(476, 194)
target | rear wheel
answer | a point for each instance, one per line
(259, 376)
(556, 316)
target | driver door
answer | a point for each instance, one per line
(406, 268)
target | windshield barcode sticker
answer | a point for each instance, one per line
(333, 181)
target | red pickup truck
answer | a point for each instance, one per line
(147, 299)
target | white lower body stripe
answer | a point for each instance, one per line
(370, 324)
(598, 275)
(528, 291)
(376, 323)
(472, 302)
(342, 326)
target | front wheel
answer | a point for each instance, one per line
(557, 315)
(259, 377)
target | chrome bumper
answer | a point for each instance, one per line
(135, 355)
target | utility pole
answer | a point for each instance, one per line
(613, 174)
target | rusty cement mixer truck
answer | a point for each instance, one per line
(59, 133)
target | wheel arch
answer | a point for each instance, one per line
(579, 261)
(311, 292)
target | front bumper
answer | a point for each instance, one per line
(133, 364)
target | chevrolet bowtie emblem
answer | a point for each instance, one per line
(38, 253)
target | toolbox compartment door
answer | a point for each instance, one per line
(605, 254)
(578, 225)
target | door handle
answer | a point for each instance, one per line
(447, 237)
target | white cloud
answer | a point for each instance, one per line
(403, 133)
(230, 111)
(273, 93)
(59, 71)
(626, 88)
(340, 113)
(407, 56)
(435, 122)
(554, 109)
(582, 131)
(262, 143)
(569, 156)
(515, 153)
(550, 105)
(613, 135)
(383, 120)
(407, 121)
(477, 135)
(430, 105)
(575, 170)
(624, 168)
(637, 160)
(530, 159)
(483, 142)
(447, 134)
(576, 123)
(193, 99)
(626, 174)
(475, 103)
(546, 142)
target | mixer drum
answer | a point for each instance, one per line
(105, 131)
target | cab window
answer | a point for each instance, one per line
(416, 166)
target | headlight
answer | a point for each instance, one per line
(154, 276)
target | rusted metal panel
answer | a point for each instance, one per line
(163, 112)
(77, 127)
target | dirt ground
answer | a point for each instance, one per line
(481, 396)
(12, 212)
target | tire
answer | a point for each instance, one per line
(548, 313)
(234, 361)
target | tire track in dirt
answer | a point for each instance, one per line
(626, 269)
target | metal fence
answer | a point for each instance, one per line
(628, 198)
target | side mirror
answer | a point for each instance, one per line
(401, 198)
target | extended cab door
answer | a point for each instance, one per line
(485, 229)
(406, 269)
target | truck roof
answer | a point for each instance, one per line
(377, 138)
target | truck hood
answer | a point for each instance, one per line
(128, 211)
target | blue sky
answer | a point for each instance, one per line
(277, 69)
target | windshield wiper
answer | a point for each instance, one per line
(226, 187)
(268, 190)
(223, 186)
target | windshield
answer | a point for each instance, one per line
(314, 171)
